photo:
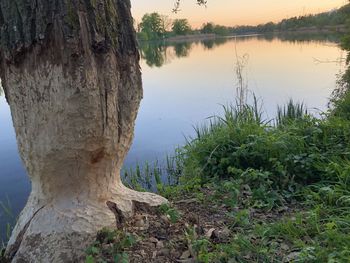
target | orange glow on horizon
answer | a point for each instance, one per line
(235, 12)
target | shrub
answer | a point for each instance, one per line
(274, 160)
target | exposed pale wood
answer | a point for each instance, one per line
(70, 71)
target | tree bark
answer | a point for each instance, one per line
(70, 72)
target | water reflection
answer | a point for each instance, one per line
(182, 49)
(157, 54)
(213, 43)
(308, 38)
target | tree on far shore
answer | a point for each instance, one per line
(181, 27)
(153, 26)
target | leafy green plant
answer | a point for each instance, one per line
(290, 112)
(170, 212)
(6, 207)
(201, 248)
(117, 240)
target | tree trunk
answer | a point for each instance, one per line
(70, 72)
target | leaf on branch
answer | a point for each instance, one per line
(176, 8)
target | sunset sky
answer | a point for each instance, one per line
(235, 12)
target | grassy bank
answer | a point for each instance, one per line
(249, 190)
(300, 162)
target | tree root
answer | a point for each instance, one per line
(64, 228)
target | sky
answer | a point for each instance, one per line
(235, 12)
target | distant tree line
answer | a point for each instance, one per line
(332, 18)
(211, 28)
(156, 26)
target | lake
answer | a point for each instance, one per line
(185, 83)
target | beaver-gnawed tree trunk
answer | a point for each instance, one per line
(70, 72)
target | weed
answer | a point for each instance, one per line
(170, 212)
(110, 244)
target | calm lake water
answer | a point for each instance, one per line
(185, 83)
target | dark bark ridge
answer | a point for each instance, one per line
(25, 24)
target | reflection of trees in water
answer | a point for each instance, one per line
(296, 37)
(212, 43)
(158, 54)
(208, 44)
(182, 49)
(154, 54)
(293, 37)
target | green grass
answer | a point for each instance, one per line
(155, 176)
(170, 212)
(110, 246)
(297, 161)
(255, 165)
(7, 211)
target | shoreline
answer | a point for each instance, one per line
(340, 29)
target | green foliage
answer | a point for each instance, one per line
(181, 27)
(320, 232)
(152, 27)
(142, 36)
(200, 246)
(300, 164)
(290, 113)
(340, 95)
(346, 40)
(7, 208)
(275, 162)
(158, 176)
(211, 28)
(7, 211)
(342, 106)
(3, 259)
(170, 212)
(251, 164)
(324, 20)
(111, 245)
(208, 28)
(254, 165)
(221, 30)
